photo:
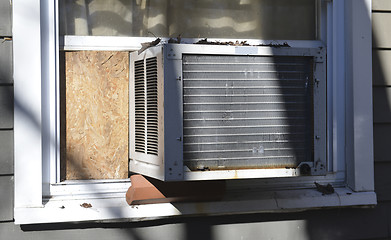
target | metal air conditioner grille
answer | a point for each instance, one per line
(247, 111)
(152, 107)
(146, 109)
(139, 89)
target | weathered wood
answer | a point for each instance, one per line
(7, 107)
(382, 104)
(6, 152)
(96, 115)
(381, 29)
(6, 198)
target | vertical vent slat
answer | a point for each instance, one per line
(247, 111)
(146, 106)
(139, 89)
(152, 107)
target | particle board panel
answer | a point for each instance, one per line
(381, 71)
(96, 115)
(5, 61)
(381, 29)
(6, 152)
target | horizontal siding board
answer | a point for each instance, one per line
(5, 62)
(6, 107)
(382, 104)
(381, 5)
(383, 181)
(6, 152)
(6, 198)
(5, 18)
(382, 142)
(381, 71)
(381, 29)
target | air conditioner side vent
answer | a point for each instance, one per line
(139, 89)
(146, 106)
(152, 105)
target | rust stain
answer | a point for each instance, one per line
(86, 205)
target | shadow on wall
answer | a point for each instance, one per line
(381, 76)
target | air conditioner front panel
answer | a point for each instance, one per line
(246, 112)
(201, 112)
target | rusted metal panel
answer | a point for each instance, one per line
(95, 115)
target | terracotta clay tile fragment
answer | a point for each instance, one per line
(146, 190)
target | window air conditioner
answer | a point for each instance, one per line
(201, 112)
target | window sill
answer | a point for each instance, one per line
(114, 207)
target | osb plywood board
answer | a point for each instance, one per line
(96, 115)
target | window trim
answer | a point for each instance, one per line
(34, 35)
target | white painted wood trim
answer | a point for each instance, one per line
(27, 103)
(115, 209)
(359, 122)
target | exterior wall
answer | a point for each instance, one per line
(6, 114)
(341, 223)
(381, 16)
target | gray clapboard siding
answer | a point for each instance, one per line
(381, 67)
(381, 5)
(5, 17)
(382, 142)
(382, 104)
(6, 198)
(6, 107)
(5, 61)
(6, 152)
(381, 29)
(383, 181)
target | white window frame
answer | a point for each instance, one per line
(39, 198)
